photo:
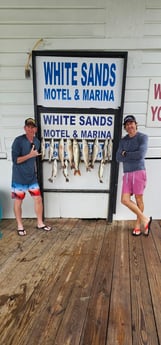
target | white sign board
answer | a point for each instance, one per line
(77, 125)
(154, 104)
(79, 82)
(78, 98)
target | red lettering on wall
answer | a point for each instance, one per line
(156, 113)
(157, 91)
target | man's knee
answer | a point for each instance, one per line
(38, 199)
(124, 200)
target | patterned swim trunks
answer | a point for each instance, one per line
(18, 191)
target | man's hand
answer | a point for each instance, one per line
(34, 153)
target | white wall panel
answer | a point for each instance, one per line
(53, 4)
(153, 4)
(18, 111)
(132, 95)
(12, 73)
(152, 15)
(53, 15)
(135, 108)
(87, 204)
(137, 83)
(16, 86)
(86, 24)
(152, 57)
(20, 45)
(16, 98)
(51, 30)
(13, 59)
(152, 29)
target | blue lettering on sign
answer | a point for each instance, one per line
(98, 95)
(60, 73)
(95, 134)
(101, 74)
(56, 133)
(59, 94)
(95, 120)
(68, 120)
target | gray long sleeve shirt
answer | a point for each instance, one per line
(136, 148)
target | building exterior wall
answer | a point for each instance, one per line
(132, 26)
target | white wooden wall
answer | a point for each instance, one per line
(133, 26)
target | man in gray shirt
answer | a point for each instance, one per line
(131, 152)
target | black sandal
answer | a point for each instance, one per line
(21, 232)
(136, 232)
(44, 227)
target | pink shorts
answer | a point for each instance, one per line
(134, 182)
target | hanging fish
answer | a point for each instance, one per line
(53, 171)
(51, 149)
(105, 150)
(65, 171)
(76, 154)
(100, 170)
(85, 152)
(61, 152)
(42, 148)
(94, 152)
(109, 149)
(70, 153)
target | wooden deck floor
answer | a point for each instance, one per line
(85, 283)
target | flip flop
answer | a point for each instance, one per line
(44, 227)
(136, 232)
(21, 232)
(147, 227)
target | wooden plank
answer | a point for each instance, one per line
(12, 243)
(119, 323)
(156, 234)
(143, 321)
(86, 283)
(72, 324)
(25, 251)
(42, 270)
(152, 260)
(57, 294)
(95, 326)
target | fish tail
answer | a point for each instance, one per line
(88, 168)
(77, 172)
(72, 166)
(50, 179)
